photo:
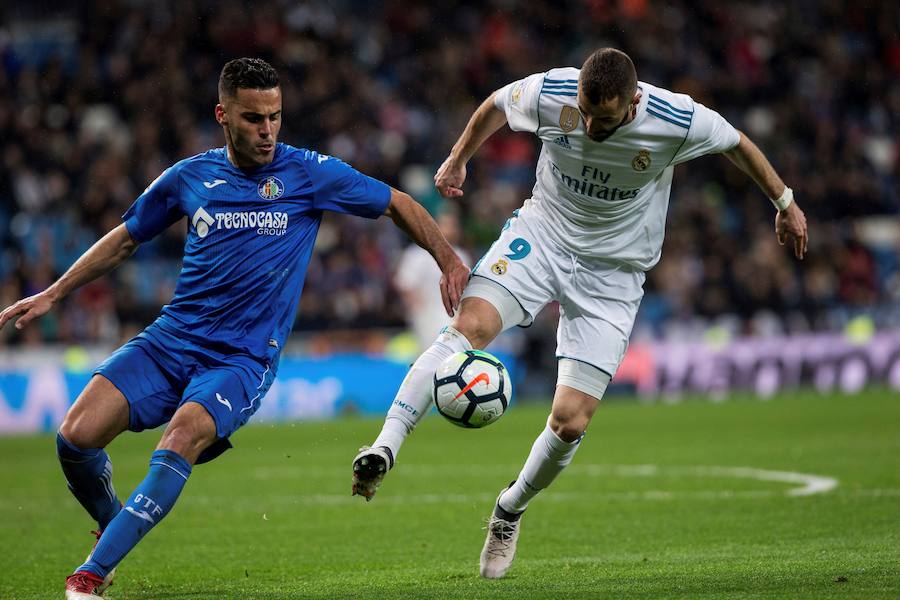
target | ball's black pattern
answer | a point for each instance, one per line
(474, 400)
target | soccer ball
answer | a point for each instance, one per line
(472, 388)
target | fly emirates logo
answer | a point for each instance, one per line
(264, 222)
(593, 183)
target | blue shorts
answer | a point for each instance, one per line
(157, 372)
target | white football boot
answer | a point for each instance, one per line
(500, 545)
(369, 468)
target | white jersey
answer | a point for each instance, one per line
(609, 199)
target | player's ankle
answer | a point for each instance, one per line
(506, 515)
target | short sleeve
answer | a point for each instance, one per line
(519, 100)
(709, 133)
(341, 188)
(156, 209)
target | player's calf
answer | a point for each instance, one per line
(150, 502)
(88, 474)
(369, 468)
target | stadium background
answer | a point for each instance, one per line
(97, 98)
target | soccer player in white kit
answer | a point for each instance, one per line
(592, 228)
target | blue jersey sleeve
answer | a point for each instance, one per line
(341, 188)
(156, 209)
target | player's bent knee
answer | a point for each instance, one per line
(190, 432)
(70, 431)
(478, 321)
(494, 304)
(99, 414)
(77, 436)
(574, 404)
(185, 441)
(570, 429)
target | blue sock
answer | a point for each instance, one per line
(88, 474)
(151, 500)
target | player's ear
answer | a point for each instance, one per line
(221, 115)
(637, 98)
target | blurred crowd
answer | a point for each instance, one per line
(98, 97)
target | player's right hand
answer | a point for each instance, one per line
(791, 223)
(453, 283)
(449, 178)
(30, 308)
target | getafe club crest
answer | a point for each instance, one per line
(499, 267)
(641, 161)
(568, 118)
(270, 188)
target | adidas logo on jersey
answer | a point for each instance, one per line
(563, 141)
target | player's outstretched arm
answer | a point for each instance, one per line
(414, 220)
(790, 222)
(105, 255)
(484, 121)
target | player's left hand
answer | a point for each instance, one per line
(791, 223)
(453, 282)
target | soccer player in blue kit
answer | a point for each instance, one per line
(253, 209)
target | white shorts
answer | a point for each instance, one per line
(598, 299)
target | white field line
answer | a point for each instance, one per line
(809, 484)
(805, 484)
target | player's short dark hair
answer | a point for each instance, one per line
(606, 74)
(246, 73)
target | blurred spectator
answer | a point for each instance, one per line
(417, 278)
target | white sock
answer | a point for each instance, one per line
(415, 395)
(549, 456)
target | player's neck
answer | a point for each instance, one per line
(236, 160)
(243, 164)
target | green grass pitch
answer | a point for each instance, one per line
(641, 513)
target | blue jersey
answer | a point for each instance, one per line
(249, 241)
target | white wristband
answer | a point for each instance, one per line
(782, 202)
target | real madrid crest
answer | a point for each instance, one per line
(568, 118)
(641, 161)
(517, 93)
(270, 188)
(499, 267)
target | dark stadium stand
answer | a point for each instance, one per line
(94, 104)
